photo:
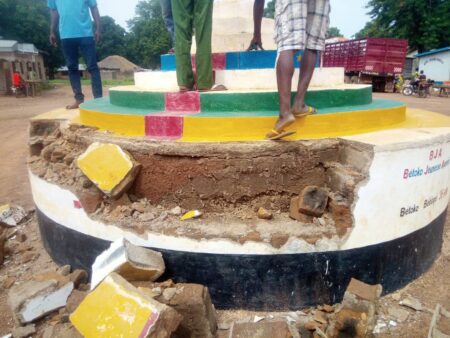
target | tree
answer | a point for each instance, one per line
(148, 37)
(269, 11)
(334, 32)
(113, 39)
(425, 23)
(29, 21)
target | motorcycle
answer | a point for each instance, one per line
(420, 89)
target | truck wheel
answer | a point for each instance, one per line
(407, 91)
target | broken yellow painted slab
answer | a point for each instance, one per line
(109, 167)
(118, 309)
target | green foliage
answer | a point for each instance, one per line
(148, 37)
(29, 21)
(113, 38)
(334, 32)
(425, 23)
(269, 10)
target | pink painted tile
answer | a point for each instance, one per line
(164, 126)
(183, 102)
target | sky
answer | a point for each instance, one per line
(349, 18)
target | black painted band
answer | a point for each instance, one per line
(271, 282)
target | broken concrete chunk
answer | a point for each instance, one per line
(341, 214)
(2, 245)
(74, 300)
(12, 215)
(313, 201)
(90, 200)
(412, 303)
(364, 291)
(132, 262)
(191, 214)
(295, 213)
(110, 168)
(398, 314)
(78, 277)
(118, 309)
(193, 302)
(264, 214)
(279, 329)
(24, 331)
(33, 299)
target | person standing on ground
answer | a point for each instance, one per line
(299, 25)
(75, 31)
(166, 10)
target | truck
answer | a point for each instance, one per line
(373, 61)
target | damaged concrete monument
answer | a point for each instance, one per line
(359, 191)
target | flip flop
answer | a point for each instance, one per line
(274, 135)
(310, 111)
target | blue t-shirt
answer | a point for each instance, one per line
(74, 17)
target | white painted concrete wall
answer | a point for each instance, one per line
(436, 66)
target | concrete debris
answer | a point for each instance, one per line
(8, 282)
(78, 277)
(33, 299)
(257, 319)
(264, 214)
(294, 212)
(176, 211)
(398, 314)
(117, 308)
(412, 303)
(130, 261)
(24, 331)
(64, 270)
(65, 330)
(110, 168)
(90, 200)
(12, 215)
(168, 294)
(313, 201)
(2, 245)
(357, 312)
(191, 214)
(275, 329)
(75, 299)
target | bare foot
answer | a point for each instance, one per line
(74, 105)
(301, 109)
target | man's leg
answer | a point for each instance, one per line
(183, 16)
(70, 50)
(166, 9)
(203, 29)
(285, 71)
(308, 64)
(87, 46)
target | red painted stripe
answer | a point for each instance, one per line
(183, 102)
(164, 126)
(219, 61)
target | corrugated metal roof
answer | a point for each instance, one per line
(8, 45)
(433, 51)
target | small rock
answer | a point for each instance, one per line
(21, 237)
(157, 291)
(146, 217)
(139, 207)
(12, 215)
(24, 331)
(28, 257)
(320, 317)
(396, 296)
(313, 201)
(64, 270)
(264, 214)
(176, 211)
(78, 277)
(90, 200)
(412, 303)
(398, 314)
(75, 299)
(364, 291)
(8, 282)
(169, 293)
(163, 216)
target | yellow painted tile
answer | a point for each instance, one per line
(115, 309)
(105, 164)
(121, 124)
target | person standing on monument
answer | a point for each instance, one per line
(76, 34)
(190, 16)
(299, 25)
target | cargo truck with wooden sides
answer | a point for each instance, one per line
(373, 61)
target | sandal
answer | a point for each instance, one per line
(274, 135)
(310, 111)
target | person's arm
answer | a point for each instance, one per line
(98, 27)
(54, 18)
(258, 12)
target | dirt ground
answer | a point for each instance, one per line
(432, 288)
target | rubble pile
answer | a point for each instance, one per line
(115, 184)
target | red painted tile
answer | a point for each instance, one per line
(164, 126)
(183, 102)
(219, 61)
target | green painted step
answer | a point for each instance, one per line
(245, 101)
